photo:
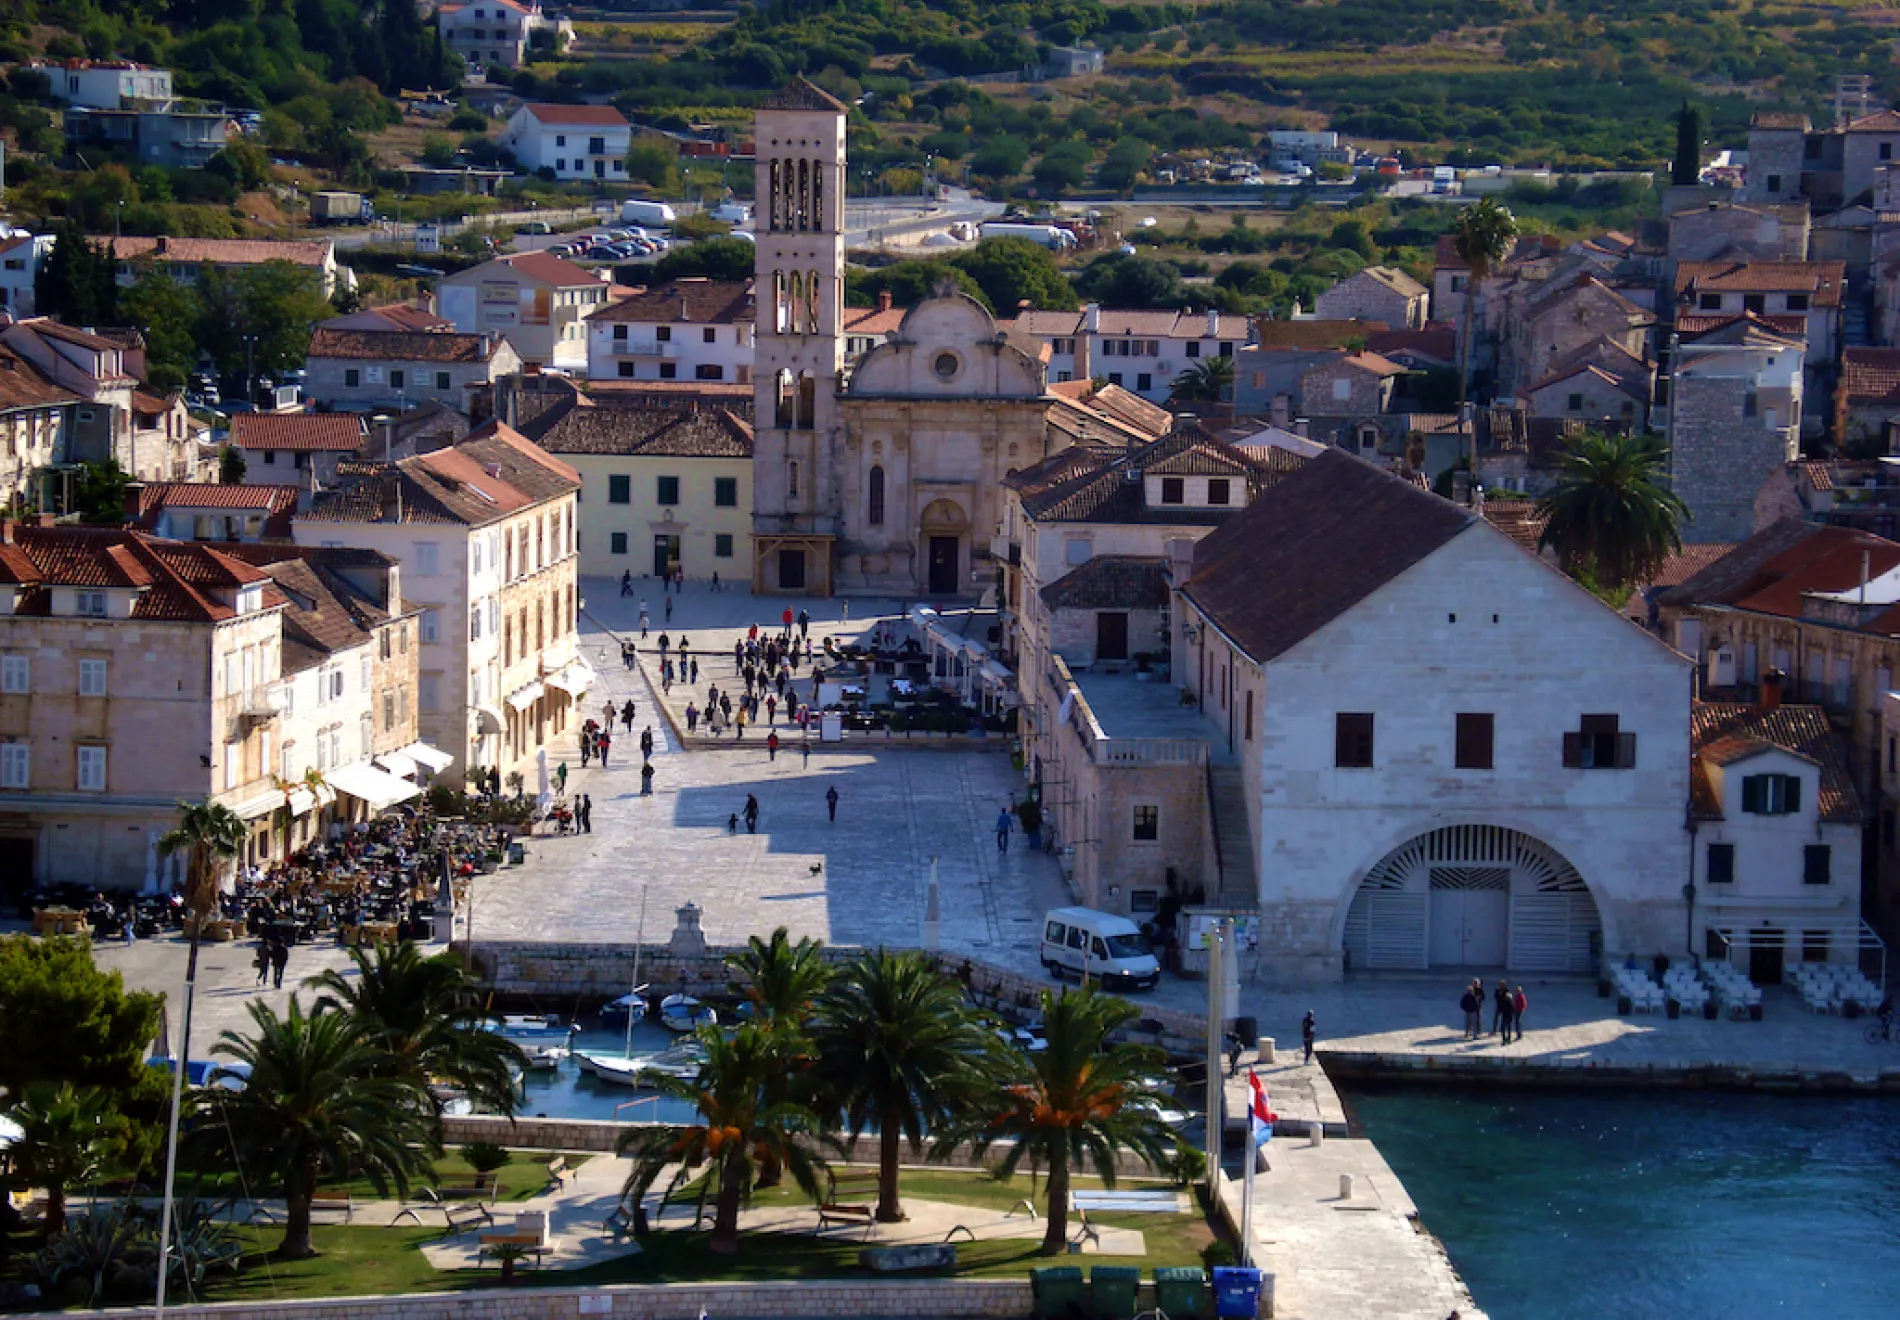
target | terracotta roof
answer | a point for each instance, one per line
(23, 386)
(1821, 280)
(1693, 325)
(727, 393)
(1684, 564)
(1594, 372)
(1440, 345)
(1723, 733)
(872, 321)
(390, 316)
(1313, 546)
(52, 329)
(148, 503)
(1774, 119)
(1772, 571)
(1520, 520)
(1110, 491)
(404, 345)
(636, 432)
(698, 301)
(325, 616)
(1314, 334)
(801, 94)
(1820, 476)
(492, 472)
(1396, 280)
(217, 251)
(595, 116)
(1375, 364)
(1060, 467)
(1880, 121)
(173, 581)
(1554, 299)
(1870, 375)
(1128, 407)
(298, 432)
(1111, 582)
(1529, 247)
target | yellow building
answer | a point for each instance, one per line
(668, 487)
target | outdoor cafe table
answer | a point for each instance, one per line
(58, 921)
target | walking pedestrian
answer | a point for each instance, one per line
(585, 811)
(643, 621)
(1307, 1030)
(804, 623)
(1518, 1004)
(771, 710)
(1002, 830)
(626, 583)
(279, 959)
(669, 609)
(804, 751)
(1501, 1015)
(1472, 1005)
(560, 778)
(646, 780)
(831, 795)
(587, 746)
(695, 677)
(785, 619)
(607, 713)
(738, 723)
(751, 814)
(692, 717)
(715, 581)
(771, 746)
(646, 743)
(847, 611)
(602, 741)
(732, 823)
(263, 961)
(627, 712)
(665, 644)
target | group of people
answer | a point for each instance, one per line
(575, 819)
(1507, 1015)
(273, 956)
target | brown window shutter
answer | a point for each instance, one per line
(1625, 751)
(1573, 750)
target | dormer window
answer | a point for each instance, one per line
(250, 599)
(1173, 490)
(91, 604)
(1771, 795)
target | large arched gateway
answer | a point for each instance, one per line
(1473, 896)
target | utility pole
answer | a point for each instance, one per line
(1216, 934)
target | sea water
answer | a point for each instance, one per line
(568, 1092)
(1560, 1205)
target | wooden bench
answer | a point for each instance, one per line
(558, 1172)
(334, 1201)
(835, 1209)
(481, 1187)
(459, 1216)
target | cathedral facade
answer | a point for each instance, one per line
(887, 481)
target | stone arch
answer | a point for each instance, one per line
(1472, 894)
(944, 517)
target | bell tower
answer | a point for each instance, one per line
(798, 288)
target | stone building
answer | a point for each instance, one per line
(1867, 401)
(1777, 154)
(1725, 231)
(395, 370)
(1356, 384)
(295, 449)
(1377, 293)
(1544, 323)
(36, 416)
(134, 672)
(1524, 810)
(1734, 421)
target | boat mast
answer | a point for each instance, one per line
(639, 938)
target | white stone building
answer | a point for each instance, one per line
(688, 329)
(572, 141)
(538, 303)
(498, 33)
(1451, 754)
(1141, 351)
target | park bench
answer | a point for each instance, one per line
(836, 1209)
(334, 1200)
(459, 1216)
(530, 1231)
(558, 1172)
(479, 1187)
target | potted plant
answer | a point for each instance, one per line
(1144, 666)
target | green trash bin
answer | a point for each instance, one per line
(1180, 1290)
(1057, 1289)
(1114, 1291)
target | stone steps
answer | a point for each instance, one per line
(1239, 885)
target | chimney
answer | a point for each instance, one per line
(1771, 690)
(884, 300)
(1301, 426)
(164, 245)
(1084, 348)
(1213, 325)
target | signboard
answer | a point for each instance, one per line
(1246, 928)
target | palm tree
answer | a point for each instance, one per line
(1482, 236)
(425, 1016)
(780, 979)
(320, 1102)
(1081, 1099)
(66, 1135)
(740, 1126)
(1208, 381)
(1610, 512)
(899, 1047)
(211, 836)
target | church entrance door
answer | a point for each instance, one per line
(943, 565)
(791, 570)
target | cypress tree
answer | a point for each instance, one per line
(1687, 168)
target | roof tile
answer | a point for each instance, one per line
(298, 432)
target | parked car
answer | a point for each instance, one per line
(536, 227)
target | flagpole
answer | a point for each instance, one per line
(1246, 1196)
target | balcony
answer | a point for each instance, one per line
(645, 348)
(262, 701)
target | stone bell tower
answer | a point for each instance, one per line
(799, 354)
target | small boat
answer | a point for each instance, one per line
(685, 1013)
(451, 1099)
(682, 1060)
(610, 1068)
(543, 1057)
(614, 1009)
(521, 1026)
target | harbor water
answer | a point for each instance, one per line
(570, 1092)
(1560, 1205)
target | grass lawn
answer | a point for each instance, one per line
(357, 1261)
(525, 1175)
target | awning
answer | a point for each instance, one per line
(397, 764)
(995, 672)
(574, 680)
(368, 784)
(261, 805)
(423, 754)
(523, 697)
(488, 720)
(302, 800)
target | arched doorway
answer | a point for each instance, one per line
(943, 525)
(1474, 896)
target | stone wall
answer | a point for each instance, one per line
(1774, 156)
(1721, 459)
(942, 1299)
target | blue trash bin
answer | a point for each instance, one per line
(1236, 1291)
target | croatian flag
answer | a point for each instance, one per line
(1259, 1117)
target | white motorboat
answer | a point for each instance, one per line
(521, 1026)
(681, 1060)
(610, 1068)
(543, 1057)
(685, 1013)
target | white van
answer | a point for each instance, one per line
(1101, 945)
(657, 214)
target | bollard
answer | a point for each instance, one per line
(1265, 1049)
(1345, 1187)
(1316, 1135)
(1266, 1295)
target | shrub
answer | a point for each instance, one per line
(485, 1156)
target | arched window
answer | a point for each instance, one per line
(786, 417)
(807, 400)
(874, 514)
(817, 195)
(812, 283)
(796, 295)
(804, 195)
(772, 199)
